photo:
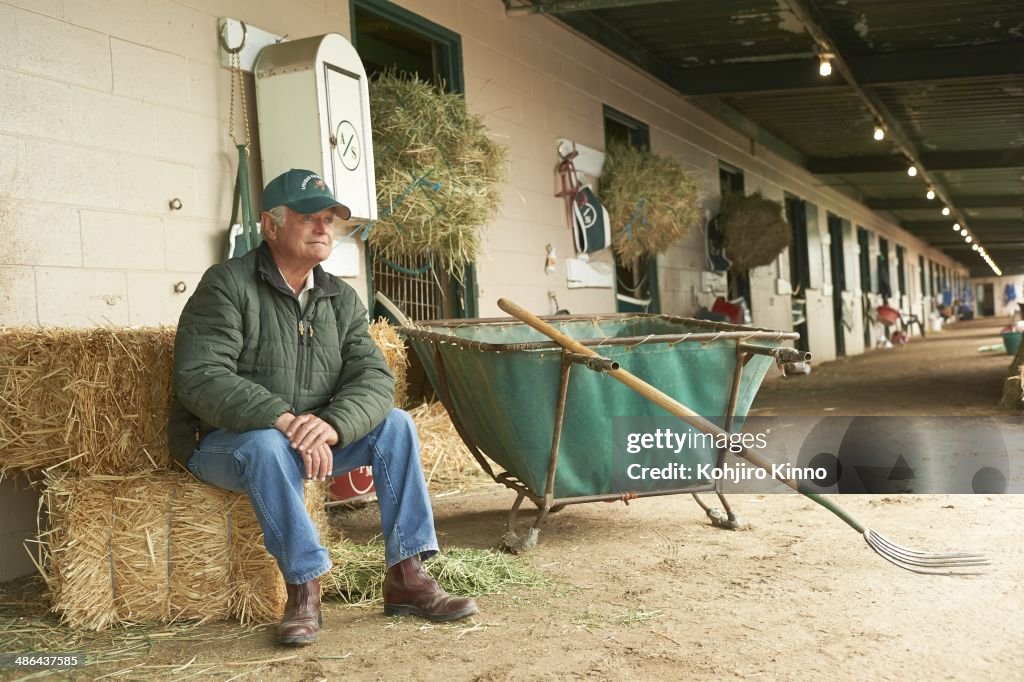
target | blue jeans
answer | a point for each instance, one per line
(263, 465)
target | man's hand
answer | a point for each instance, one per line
(313, 438)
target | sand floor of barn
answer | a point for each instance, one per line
(651, 591)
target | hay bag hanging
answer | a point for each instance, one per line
(438, 173)
(652, 200)
(755, 230)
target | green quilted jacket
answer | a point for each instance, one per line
(245, 354)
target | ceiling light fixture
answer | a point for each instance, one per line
(956, 227)
(974, 247)
(879, 133)
(963, 233)
(930, 194)
(912, 171)
(945, 210)
(825, 65)
(968, 239)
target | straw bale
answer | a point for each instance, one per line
(95, 399)
(393, 347)
(158, 547)
(652, 200)
(755, 230)
(446, 459)
(438, 173)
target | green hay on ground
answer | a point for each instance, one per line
(358, 573)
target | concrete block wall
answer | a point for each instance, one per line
(112, 109)
(116, 108)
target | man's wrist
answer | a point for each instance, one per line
(283, 420)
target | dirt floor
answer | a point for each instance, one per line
(652, 591)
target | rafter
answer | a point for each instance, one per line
(567, 6)
(963, 201)
(871, 69)
(933, 161)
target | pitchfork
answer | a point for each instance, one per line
(956, 563)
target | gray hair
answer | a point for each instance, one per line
(277, 215)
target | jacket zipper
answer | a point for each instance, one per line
(309, 355)
(300, 363)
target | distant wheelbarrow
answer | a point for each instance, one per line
(513, 397)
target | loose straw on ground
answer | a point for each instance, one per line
(446, 459)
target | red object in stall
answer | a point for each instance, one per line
(732, 311)
(888, 315)
(353, 485)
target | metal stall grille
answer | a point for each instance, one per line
(413, 286)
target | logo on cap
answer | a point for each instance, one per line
(318, 182)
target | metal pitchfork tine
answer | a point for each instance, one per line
(955, 563)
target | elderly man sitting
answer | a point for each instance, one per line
(277, 380)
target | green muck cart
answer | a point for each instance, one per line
(537, 396)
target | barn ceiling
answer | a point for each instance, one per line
(943, 78)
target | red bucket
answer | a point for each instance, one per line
(353, 485)
(888, 315)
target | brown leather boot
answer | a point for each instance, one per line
(302, 619)
(410, 591)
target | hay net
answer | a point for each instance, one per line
(652, 200)
(754, 228)
(438, 173)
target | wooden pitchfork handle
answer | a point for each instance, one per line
(911, 560)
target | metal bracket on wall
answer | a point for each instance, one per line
(237, 36)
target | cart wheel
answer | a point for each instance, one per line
(513, 544)
(720, 519)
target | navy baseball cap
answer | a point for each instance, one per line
(303, 191)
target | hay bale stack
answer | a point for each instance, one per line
(438, 173)
(755, 230)
(158, 547)
(393, 347)
(446, 459)
(652, 200)
(95, 400)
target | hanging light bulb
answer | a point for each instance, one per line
(968, 239)
(945, 210)
(974, 247)
(930, 194)
(879, 133)
(825, 65)
(963, 233)
(956, 227)
(912, 171)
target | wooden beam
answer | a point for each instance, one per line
(566, 6)
(872, 69)
(1013, 227)
(979, 201)
(933, 161)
